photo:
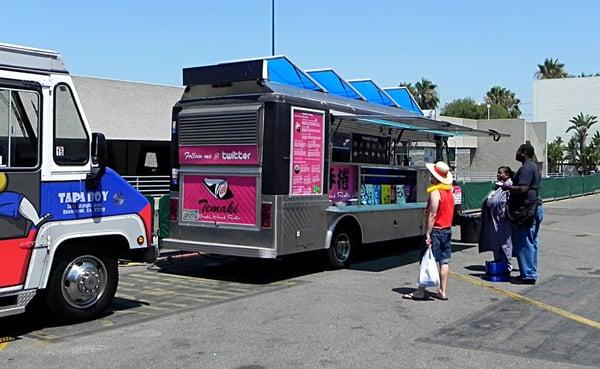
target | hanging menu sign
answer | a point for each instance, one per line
(370, 149)
(307, 156)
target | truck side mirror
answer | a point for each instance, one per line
(99, 150)
(99, 160)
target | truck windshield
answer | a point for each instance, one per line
(71, 141)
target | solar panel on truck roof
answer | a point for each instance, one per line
(335, 84)
(402, 97)
(281, 70)
(372, 92)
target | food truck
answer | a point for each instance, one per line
(269, 160)
(65, 218)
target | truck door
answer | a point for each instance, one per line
(20, 162)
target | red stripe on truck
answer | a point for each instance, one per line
(146, 215)
(14, 259)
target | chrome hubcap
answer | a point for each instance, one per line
(342, 247)
(84, 281)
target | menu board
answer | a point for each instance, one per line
(306, 152)
(370, 149)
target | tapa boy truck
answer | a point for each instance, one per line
(65, 218)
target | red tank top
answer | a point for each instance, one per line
(445, 210)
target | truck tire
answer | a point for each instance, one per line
(82, 285)
(341, 249)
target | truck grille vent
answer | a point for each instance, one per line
(229, 128)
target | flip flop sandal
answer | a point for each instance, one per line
(412, 296)
(439, 296)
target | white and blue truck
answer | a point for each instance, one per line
(65, 218)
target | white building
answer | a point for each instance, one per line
(555, 101)
(477, 158)
(136, 120)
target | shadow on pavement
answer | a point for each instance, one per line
(392, 254)
(429, 296)
(377, 257)
(37, 318)
(241, 270)
(475, 268)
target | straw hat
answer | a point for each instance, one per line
(440, 171)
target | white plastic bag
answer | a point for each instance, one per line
(429, 275)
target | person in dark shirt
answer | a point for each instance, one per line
(525, 193)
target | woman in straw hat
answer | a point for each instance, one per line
(440, 209)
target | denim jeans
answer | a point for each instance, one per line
(524, 240)
(441, 245)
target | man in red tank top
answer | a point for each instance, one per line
(438, 234)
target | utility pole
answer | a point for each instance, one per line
(272, 27)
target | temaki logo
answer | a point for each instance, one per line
(219, 188)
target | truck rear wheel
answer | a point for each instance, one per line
(341, 248)
(82, 285)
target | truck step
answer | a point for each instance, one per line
(15, 303)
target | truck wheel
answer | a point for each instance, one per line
(341, 249)
(82, 285)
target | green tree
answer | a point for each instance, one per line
(551, 69)
(469, 109)
(555, 152)
(581, 124)
(501, 96)
(426, 94)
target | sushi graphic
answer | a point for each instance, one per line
(218, 188)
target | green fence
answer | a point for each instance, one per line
(550, 189)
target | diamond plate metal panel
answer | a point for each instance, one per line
(304, 226)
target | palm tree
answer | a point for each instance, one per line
(426, 94)
(581, 124)
(498, 95)
(551, 69)
(572, 153)
(555, 152)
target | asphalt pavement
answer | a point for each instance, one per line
(194, 312)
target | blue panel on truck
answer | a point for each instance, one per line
(71, 200)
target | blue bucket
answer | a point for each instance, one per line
(493, 268)
(498, 278)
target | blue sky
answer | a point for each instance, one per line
(465, 47)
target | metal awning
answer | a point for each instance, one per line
(419, 124)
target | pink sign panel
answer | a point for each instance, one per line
(219, 199)
(308, 142)
(343, 183)
(219, 155)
